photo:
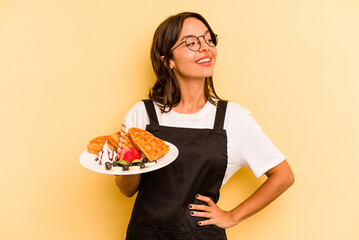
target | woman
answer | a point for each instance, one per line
(214, 137)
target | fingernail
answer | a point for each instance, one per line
(192, 213)
(190, 206)
(200, 223)
(197, 196)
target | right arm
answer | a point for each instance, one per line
(128, 184)
(136, 117)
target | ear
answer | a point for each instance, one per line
(171, 62)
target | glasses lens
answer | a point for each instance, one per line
(193, 43)
(211, 39)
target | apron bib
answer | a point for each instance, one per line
(161, 207)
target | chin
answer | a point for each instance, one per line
(210, 74)
(199, 74)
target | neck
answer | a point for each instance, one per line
(192, 96)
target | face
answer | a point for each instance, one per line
(188, 64)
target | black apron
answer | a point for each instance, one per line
(161, 208)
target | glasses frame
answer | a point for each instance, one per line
(199, 40)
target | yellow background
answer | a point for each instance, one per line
(70, 70)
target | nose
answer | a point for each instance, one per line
(204, 45)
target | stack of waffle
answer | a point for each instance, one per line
(151, 146)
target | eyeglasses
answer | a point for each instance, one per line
(194, 43)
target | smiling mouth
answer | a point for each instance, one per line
(204, 60)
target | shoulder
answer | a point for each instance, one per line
(136, 116)
(136, 110)
(139, 106)
(237, 109)
(236, 113)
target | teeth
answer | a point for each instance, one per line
(204, 60)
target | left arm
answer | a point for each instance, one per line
(280, 178)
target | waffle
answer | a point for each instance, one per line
(152, 147)
(113, 140)
(127, 141)
(96, 144)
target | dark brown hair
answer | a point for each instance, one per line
(166, 91)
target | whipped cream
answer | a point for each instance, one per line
(106, 155)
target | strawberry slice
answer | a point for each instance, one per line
(123, 151)
(136, 153)
(128, 156)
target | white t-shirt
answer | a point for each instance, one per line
(247, 145)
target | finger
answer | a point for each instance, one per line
(199, 207)
(200, 214)
(205, 199)
(205, 222)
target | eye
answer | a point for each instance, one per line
(191, 41)
(210, 38)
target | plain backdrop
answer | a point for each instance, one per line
(71, 69)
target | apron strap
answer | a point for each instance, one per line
(220, 114)
(150, 108)
(218, 123)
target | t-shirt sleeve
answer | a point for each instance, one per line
(258, 152)
(136, 117)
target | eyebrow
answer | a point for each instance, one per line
(191, 35)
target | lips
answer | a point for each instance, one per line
(204, 59)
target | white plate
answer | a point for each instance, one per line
(88, 161)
